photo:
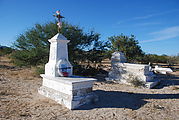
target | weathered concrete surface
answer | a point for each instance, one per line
(69, 91)
(58, 54)
(70, 101)
(129, 73)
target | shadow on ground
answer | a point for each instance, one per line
(167, 80)
(116, 99)
(7, 67)
(13, 68)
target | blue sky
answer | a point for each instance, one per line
(155, 23)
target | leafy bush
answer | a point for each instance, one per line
(33, 46)
(87, 71)
(153, 58)
(5, 50)
(128, 45)
(40, 70)
(135, 81)
(29, 57)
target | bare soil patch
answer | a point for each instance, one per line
(19, 99)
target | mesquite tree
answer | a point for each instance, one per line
(32, 47)
(128, 45)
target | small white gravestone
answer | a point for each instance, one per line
(59, 83)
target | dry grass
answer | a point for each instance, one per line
(175, 87)
(19, 100)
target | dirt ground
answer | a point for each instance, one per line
(19, 99)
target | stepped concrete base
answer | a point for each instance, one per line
(71, 92)
(152, 84)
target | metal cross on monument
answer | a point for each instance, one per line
(59, 21)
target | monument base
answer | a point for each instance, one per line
(152, 84)
(71, 92)
(128, 72)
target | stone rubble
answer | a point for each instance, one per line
(129, 73)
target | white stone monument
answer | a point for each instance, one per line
(59, 83)
(58, 59)
(128, 72)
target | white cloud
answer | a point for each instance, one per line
(165, 34)
(155, 14)
(147, 23)
(143, 17)
(148, 16)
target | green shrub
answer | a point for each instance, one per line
(5, 51)
(33, 45)
(128, 45)
(40, 70)
(31, 57)
(135, 81)
(87, 71)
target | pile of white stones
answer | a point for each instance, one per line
(128, 72)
